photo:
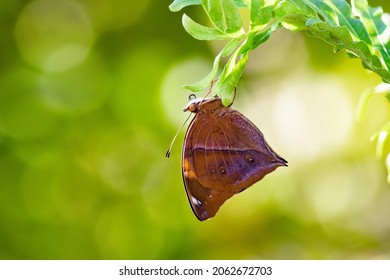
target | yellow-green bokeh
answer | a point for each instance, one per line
(90, 99)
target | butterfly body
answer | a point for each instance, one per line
(223, 154)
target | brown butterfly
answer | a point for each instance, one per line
(223, 154)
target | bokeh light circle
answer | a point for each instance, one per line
(54, 35)
(115, 14)
(173, 96)
(76, 91)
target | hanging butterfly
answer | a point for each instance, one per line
(223, 154)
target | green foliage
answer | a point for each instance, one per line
(382, 136)
(357, 28)
(360, 31)
(382, 146)
(226, 24)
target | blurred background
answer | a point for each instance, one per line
(90, 99)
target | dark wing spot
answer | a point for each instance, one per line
(249, 158)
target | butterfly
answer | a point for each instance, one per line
(223, 154)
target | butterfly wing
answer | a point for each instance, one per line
(224, 153)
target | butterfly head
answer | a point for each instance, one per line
(194, 104)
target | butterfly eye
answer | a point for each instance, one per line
(192, 108)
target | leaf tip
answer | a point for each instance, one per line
(226, 101)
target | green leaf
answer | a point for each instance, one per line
(231, 46)
(301, 7)
(242, 3)
(260, 14)
(227, 68)
(382, 149)
(290, 16)
(224, 88)
(262, 37)
(339, 13)
(232, 16)
(382, 141)
(363, 102)
(376, 28)
(214, 11)
(205, 82)
(177, 5)
(380, 90)
(201, 32)
(336, 36)
(247, 45)
(339, 27)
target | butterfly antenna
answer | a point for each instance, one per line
(168, 153)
